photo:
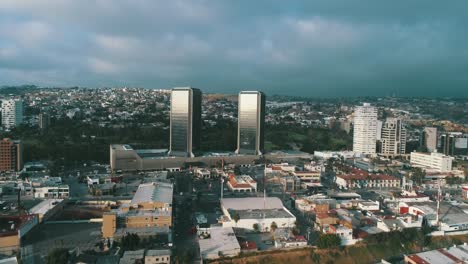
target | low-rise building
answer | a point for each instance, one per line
(367, 181)
(255, 211)
(290, 242)
(148, 213)
(158, 256)
(345, 234)
(221, 242)
(241, 183)
(52, 192)
(132, 257)
(452, 255)
(202, 173)
(369, 205)
(13, 228)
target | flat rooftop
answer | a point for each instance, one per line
(456, 254)
(153, 192)
(259, 213)
(251, 203)
(158, 252)
(44, 206)
(222, 239)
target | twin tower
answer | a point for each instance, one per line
(185, 122)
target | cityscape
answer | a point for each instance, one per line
(280, 152)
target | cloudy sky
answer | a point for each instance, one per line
(312, 48)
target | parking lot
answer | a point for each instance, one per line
(42, 239)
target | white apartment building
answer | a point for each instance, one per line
(12, 113)
(393, 138)
(48, 192)
(434, 160)
(365, 129)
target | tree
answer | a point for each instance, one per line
(256, 227)
(417, 175)
(130, 242)
(328, 241)
(273, 227)
(296, 229)
(236, 218)
(58, 256)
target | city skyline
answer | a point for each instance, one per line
(328, 52)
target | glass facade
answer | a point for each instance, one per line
(251, 119)
(185, 121)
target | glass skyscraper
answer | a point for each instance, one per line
(251, 122)
(185, 121)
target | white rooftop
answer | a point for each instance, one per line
(44, 206)
(153, 192)
(251, 203)
(222, 241)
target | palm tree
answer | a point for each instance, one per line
(273, 226)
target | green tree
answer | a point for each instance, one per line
(58, 256)
(236, 218)
(417, 175)
(328, 241)
(273, 226)
(256, 227)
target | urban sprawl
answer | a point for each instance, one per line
(128, 175)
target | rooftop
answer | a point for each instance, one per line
(456, 254)
(158, 252)
(153, 192)
(260, 213)
(251, 203)
(222, 239)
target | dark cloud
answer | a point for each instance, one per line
(313, 48)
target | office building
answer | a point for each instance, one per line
(185, 121)
(433, 161)
(429, 139)
(251, 123)
(44, 121)
(393, 138)
(365, 129)
(453, 143)
(12, 113)
(11, 155)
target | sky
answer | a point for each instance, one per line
(301, 48)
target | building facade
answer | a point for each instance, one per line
(11, 155)
(430, 138)
(12, 113)
(251, 123)
(393, 138)
(367, 181)
(149, 212)
(185, 121)
(435, 161)
(365, 129)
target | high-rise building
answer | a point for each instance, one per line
(44, 121)
(185, 121)
(11, 155)
(251, 123)
(12, 113)
(453, 143)
(393, 138)
(429, 139)
(365, 129)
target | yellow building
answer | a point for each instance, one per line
(148, 213)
